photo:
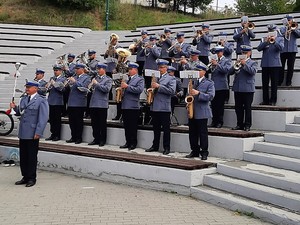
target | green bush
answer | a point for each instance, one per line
(86, 4)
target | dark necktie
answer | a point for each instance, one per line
(28, 99)
(129, 80)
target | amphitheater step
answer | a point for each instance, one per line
(293, 128)
(283, 138)
(297, 119)
(237, 203)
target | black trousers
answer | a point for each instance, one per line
(243, 102)
(161, 120)
(76, 122)
(198, 131)
(174, 101)
(66, 94)
(87, 108)
(267, 74)
(55, 112)
(110, 95)
(290, 58)
(141, 67)
(130, 120)
(99, 124)
(217, 106)
(28, 158)
(204, 59)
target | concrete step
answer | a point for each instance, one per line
(277, 161)
(293, 128)
(283, 138)
(297, 119)
(233, 202)
(278, 149)
(266, 175)
(254, 191)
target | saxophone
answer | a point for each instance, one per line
(150, 91)
(119, 91)
(189, 101)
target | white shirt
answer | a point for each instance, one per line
(32, 96)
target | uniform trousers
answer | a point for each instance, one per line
(55, 112)
(198, 131)
(217, 106)
(28, 158)
(76, 122)
(161, 120)
(141, 67)
(243, 102)
(130, 120)
(290, 58)
(99, 124)
(267, 74)
(205, 60)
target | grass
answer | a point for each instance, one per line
(122, 16)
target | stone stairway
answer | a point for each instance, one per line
(265, 184)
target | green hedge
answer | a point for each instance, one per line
(86, 4)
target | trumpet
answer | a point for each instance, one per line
(174, 46)
(50, 83)
(290, 27)
(151, 91)
(237, 65)
(189, 101)
(67, 83)
(272, 40)
(249, 26)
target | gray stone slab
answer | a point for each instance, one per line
(278, 149)
(283, 138)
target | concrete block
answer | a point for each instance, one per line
(283, 138)
(278, 149)
(293, 128)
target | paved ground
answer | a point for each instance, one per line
(65, 199)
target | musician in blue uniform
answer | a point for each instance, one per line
(219, 70)
(243, 35)
(244, 88)
(176, 98)
(56, 102)
(288, 54)
(203, 92)
(39, 77)
(151, 53)
(111, 56)
(140, 58)
(101, 86)
(203, 40)
(165, 42)
(271, 46)
(228, 46)
(165, 88)
(34, 112)
(77, 102)
(131, 105)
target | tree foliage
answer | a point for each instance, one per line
(263, 7)
(192, 4)
(80, 4)
(297, 6)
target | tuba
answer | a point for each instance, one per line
(151, 91)
(189, 101)
(62, 60)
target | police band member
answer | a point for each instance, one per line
(56, 102)
(151, 53)
(39, 77)
(131, 105)
(219, 70)
(271, 46)
(175, 99)
(77, 102)
(244, 88)
(228, 46)
(161, 107)
(291, 33)
(111, 55)
(69, 71)
(34, 112)
(243, 35)
(140, 57)
(203, 92)
(203, 40)
(179, 49)
(101, 86)
(165, 42)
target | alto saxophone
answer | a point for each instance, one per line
(150, 91)
(119, 91)
(189, 101)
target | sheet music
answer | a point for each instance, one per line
(148, 73)
(189, 74)
(120, 76)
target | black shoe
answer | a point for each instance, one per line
(247, 129)
(49, 138)
(237, 128)
(56, 139)
(22, 181)
(70, 140)
(116, 118)
(78, 141)
(288, 84)
(93, 143)
(166, 152)
(212, 125)
(152, 149)
(273, 104)
(204, 155)
(30, 183)
(218, 125)
(125, 146)
(131, 147)
(264, 103)
(101, 144)
(192, 155)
